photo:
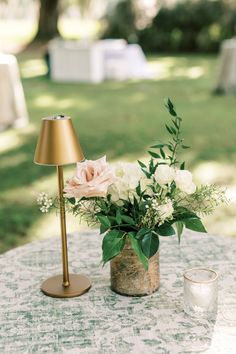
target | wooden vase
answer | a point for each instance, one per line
(128, 276)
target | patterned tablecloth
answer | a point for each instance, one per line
(103, 322)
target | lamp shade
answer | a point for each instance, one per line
(57, 143)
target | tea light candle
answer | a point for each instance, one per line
(200, 292)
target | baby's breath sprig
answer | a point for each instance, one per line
(44, 202)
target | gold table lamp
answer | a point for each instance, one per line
(57, 146)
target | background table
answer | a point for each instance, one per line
(226, 81)
(85, 61)
(106, 323)
(13, 109)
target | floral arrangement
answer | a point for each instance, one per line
(139, 202)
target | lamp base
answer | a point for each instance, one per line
(79, 284)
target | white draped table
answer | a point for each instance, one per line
(103, 322)
(226, 80)
(13, 109)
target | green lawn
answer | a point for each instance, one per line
(119, 119)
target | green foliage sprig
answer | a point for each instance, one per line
(176, 141)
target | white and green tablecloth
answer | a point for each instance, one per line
(103, 322)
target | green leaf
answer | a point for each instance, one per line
(113, 243)
(141, 164)
(185, 147)
(162, 153)
(154, 154)
(168, 129)
(128, 219)
(138, 190)
(118, 216)
(142, 232)
(175, 124)
(169, 105)
(179, 228)
(147, 174)
(72, 200)
(157, 146)
(105, 223)
(165, 230)
(194, 224)
(150, 244)
(182, 166)
(170, 147)
(138, 250)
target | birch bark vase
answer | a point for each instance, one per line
(128, 276)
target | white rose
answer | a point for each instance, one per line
(164, 174)
(184, 181)
(165, 210)
(127, 179)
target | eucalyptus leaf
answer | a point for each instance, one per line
(154, 154)
(157, 146)
(168, 129)
(142, 164)
(162, 153)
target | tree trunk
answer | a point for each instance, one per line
(48, 17)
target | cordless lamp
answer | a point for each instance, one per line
(57, 146)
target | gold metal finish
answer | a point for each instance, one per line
(66, 280)
(53, 286)
(58, 145)
(216, 275)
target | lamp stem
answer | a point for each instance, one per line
(66, 280)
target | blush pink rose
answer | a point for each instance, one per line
(92, 179)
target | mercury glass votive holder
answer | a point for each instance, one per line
(201, 292)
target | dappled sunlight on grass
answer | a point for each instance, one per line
(13, 138)
(49, 100)
(9, 140)
(170, 67)
(33, 68)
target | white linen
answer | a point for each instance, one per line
(226, 79)
(13, 109)
(111, 59)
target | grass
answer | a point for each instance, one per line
(119, 119)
